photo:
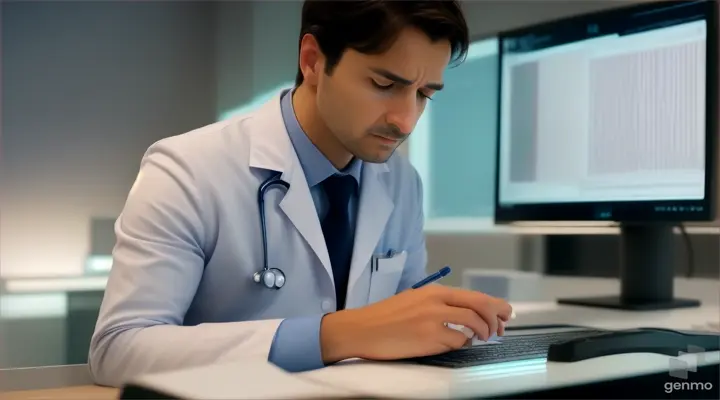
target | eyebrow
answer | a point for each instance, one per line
(399, 79)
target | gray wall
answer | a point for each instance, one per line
(233, 64)
(87, 87)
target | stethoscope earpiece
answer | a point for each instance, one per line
(271, 278)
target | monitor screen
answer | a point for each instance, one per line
(605, 116)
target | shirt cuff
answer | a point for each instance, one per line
(296, 345)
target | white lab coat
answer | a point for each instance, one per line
(180, 292)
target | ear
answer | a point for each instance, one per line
(311, 59)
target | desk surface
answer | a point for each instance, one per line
(416, 381)
(421, 381)
(363, 379)
(388, 380)
(359, 378)
(247, 379)
(66, 393)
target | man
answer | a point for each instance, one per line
(197, 280)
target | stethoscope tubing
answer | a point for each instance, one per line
(275, 180)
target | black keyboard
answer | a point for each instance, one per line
(510, 348)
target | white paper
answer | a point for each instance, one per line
(494, 339)
(476, 341)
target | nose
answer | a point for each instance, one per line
(403, 113)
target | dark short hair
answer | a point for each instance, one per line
(372, 26)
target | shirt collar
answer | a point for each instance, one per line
(316, 166)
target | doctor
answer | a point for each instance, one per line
(191, 282)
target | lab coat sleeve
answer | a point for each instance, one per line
(416, 264)
(296, 347)
(162, 235)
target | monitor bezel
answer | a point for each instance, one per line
(622, 211)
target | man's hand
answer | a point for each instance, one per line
(412, 324)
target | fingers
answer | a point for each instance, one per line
(501, 327)
(477, 301)
(491, 319)
(468, 318)
(453, 338)
(503, 308)
(511, 317)
(492, 310)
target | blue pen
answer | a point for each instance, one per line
(434, 277)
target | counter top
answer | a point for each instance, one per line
(89, 392)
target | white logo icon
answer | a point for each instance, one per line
(686, 362)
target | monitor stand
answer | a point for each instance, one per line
(647, 272)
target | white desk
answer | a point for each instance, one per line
(413, 381)
(256, 379)
(249, 379)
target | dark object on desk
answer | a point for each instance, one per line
(83, 308)
(139, 392)
(642, 340)
(566, 343)
(511, 348)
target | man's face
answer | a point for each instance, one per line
(371, 103)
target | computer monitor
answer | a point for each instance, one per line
(612, 116)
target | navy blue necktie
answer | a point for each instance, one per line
(338, 232)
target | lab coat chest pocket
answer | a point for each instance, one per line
(385, 276)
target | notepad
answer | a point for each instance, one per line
(494, 339)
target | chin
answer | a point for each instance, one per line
(376, 157)
(376, 160)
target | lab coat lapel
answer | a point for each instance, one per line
(374, 210)
(299, 207)
(271, 149)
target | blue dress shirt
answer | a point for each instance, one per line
(296, 346)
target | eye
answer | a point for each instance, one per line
(381, 87)
(424, 96)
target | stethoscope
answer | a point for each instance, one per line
(272, 278)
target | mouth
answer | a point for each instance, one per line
(386, 140)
